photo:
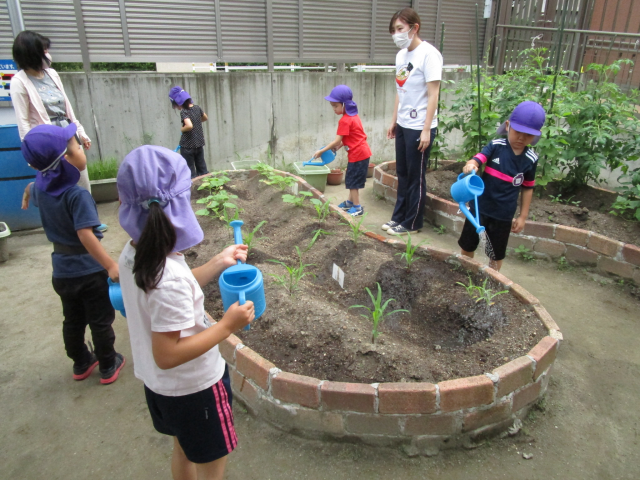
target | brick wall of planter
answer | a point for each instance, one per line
(423, 418)
(545, 240)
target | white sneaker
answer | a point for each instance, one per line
(390, 224)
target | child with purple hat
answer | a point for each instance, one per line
(351, 135)
(192, 139)
(510, 168)
(81, 265)
(173, 341)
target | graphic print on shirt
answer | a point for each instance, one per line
(518, 180)
(496, 160)
(402, 74)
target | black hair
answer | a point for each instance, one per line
(46, 41)
(157, 240)
(186, 103)
(28, 50)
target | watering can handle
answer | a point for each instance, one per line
(462, 175)
(237, 233)
(110, 282)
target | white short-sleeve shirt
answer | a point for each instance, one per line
(413, 71)
(176, 304)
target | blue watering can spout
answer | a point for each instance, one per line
(327, 157)
(467, 188)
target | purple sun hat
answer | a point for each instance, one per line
(179, 95)
(528, 117)
(43, 148)
(343, 94)
(157, 173)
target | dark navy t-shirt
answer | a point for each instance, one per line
(61, 217)
(504, 174)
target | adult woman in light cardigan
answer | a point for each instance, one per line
(414, 122)
(37, 93)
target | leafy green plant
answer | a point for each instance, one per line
(441, 230)
(291, 280)
(377, 314)
(250, 238)
(627, 205)
(218, 205)
(486, 294)
(279, 181)
(297, 200)
(563, 264)
(524, 253)
(103, 169)
(214, 183)
(322, 208)
(316, 235)
(470, 288)
(556, 199)
(355, 228)
(409, 255)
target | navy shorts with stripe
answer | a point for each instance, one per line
(202, 421)
(498, 232)
(356, 176)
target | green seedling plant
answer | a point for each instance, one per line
(409, 255)
(214, 183)
(486, 294)
(563, 264)
(297, 200)
(470, 288)
(263, 169)
(291, 280)
(230, 212)
(524, 253)
(377, 314)
(279, 181)
(556, 199)
(217, 205)
(322, 208)
(250, 238)
(441, 230)
(316, 235)
(355, 228)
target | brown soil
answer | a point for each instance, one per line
(445, 335)
(588, 209)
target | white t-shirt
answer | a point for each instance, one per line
(413, 71)
(176, 304)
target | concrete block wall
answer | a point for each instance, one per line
(249, 113)
(422, 418)
(546, 241)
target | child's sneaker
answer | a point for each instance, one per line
(80, 372)
(111, 375)
(356, 211)
(346, 205)
(103, 227)
(400, 230)
(390, 224)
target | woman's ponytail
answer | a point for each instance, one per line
(157, 240)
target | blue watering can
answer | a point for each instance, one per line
(115, 295)
(326, 157)
(242, 282)
(467, 188)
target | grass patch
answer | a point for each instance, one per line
(103, 169)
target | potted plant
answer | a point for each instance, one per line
(370, 170)
(335, 176)
(102, 176)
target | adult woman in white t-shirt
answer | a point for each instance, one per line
(414, 123)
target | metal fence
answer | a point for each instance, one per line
(267, 31)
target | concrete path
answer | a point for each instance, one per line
(55, 428)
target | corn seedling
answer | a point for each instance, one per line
(297, 200)
(322, 208)
(317, 234)
(441, 230)
(377, 314)
(524, 253)
(409, 255)
(250, 238)
(486, 294)
(355, 228)
(291, 279)
(470, 288)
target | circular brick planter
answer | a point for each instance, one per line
(545, 240)
(420, 417)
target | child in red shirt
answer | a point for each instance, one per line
(351, 135)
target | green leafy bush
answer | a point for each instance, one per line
(103, 169)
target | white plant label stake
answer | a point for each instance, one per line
(338, 275)
(294, 189)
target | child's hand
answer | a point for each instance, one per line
(470, 167)
(517, 225)
(26, 196)
(238, 316)
(391, 132)
(232, 254)
(114, 272)
(317, 154)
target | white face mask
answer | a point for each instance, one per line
(402, 39)
(48, 55)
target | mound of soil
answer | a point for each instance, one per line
(445, 334)
(588, 208)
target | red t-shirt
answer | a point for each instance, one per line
(353, 136)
